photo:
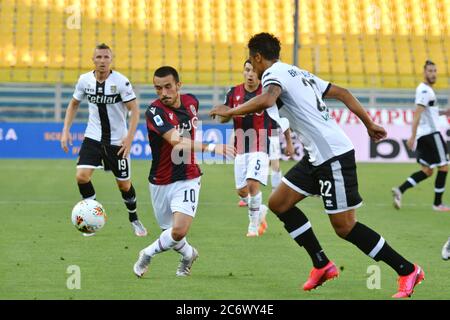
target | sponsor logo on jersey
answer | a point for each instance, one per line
(159, 122)
(171, 116)
(95, 99)
(153, 110)
(100, 90)
(238, 97)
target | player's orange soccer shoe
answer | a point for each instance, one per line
(262, 221)
(407, 283)
(242, 203)
(318, 276)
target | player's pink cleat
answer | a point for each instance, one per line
(318, 276)
(262, 221)
(407, 283)
(441, 207)
(242, 203)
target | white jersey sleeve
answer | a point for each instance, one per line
(79, 92)
(126, 91)
(272, 77)
(422, 96)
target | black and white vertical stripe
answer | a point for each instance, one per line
(103, 114)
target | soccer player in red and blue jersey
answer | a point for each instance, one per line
(174, 179)
(252, 135)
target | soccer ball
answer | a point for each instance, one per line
(88, 216)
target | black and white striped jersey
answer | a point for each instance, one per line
(107, 111)
(301, 103)
(429, 119)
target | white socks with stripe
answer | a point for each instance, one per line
(166, 242)
(275, 179)
(254, 210)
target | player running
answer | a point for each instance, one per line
(174, 179)
(251, 140)
(431, 148)
(329, 168)
(107, 141)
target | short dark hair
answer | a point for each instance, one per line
(103, 46)
(266, 44)
(428, 63)
(165, 71)
(247, 61)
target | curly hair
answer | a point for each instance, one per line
(266, 44)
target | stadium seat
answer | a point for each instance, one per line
(366, 42)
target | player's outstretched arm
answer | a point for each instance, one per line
(259, 103)
(132, 106)
(66, 138)
(376, 132)
(178, 142)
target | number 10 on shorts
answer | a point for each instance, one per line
(189, 195)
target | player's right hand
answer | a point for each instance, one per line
(66, 137)
(376, 132)
(226, 150)
(410, 143)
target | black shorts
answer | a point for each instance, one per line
(334, 180)
(431, 150)
(95, 155)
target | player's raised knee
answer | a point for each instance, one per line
(178, 233)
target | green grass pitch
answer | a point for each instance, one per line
(38, 242)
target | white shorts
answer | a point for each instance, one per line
(274, 148)
(254, 165)
(180, 196)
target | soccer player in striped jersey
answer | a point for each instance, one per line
(107, 141)
(328, 169)
(252, 134)
(431, 148)
(174, 179)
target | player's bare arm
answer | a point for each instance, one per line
(133, 123)
(178, 142)
(415, 124)
(259, 103)
(375, 131)
(66, 138)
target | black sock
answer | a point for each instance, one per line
(415, 178)
(299, 227)
(87, 190)
(372, 244)
(129, 197)
(439, 187)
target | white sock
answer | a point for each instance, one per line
(275, 179)
(254, 209)
(163, 243)
(184, 248)
(245, 199)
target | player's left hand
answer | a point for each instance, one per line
(220, 110)
(289, 150)
(125, 148)
(376, 132)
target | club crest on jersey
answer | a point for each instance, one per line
(159, 122)
(194, 112)
(113, 89)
